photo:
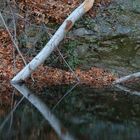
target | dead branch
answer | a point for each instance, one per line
(13, 40)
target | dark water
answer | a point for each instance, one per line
(86, 113)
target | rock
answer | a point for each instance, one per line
(136, 61)
(133, 5)
(121, 17)
(136, 6)
(81, 50)
(123, 29)
(82, 32)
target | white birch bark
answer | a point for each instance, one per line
(54, 41)
(126, 78)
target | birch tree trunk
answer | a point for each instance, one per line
(54, 41)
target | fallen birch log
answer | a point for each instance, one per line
(54, 41)
(126, 78)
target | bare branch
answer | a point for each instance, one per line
(16, 46)
(77, 78)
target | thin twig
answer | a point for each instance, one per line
(27, 21)
(78, 80)
(14, 21)
(12, 38)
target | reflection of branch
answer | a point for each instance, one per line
(65, 95)
(127, 90)
(55, 40)
(44, 110)
(128, 77)
(11, 112)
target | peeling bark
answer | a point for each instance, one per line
(68, 25)
(88, 5)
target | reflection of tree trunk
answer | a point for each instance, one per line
(132, 92)
(54, 41)
(131, 78)
(44, 110)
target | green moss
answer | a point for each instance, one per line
(70, 54)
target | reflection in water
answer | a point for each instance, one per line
(64, 96)
(100, 114)
(87, 113)
(131, 92)
(11, 112)
(44, 110)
